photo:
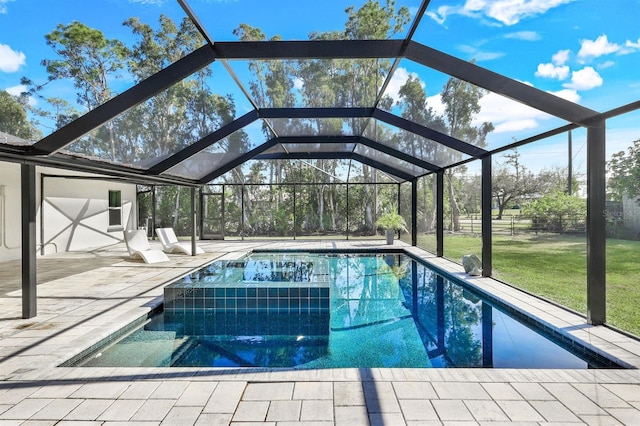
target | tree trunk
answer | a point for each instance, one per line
(455, 210)
(176, 209)
(246, 207)
(321, 208)
(434, 210)
(332, 206)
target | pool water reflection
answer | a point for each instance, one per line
(380, 311)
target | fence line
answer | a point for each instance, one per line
(517, 224)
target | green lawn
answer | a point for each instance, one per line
(554, 266)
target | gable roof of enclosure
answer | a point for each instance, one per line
(202, 160)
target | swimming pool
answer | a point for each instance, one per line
(315, 310)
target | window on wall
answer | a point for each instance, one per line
(115, 208)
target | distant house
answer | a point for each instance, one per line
(75, 211)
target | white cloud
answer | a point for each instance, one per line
(510, 116)
(480, 55)
(584, 79)
(633, 44)
(435, 102)
(440, 14)
(510, 12)
(596, 48)
(552, 71)
(506, 115)
(400, 77)
(606, 64)
(3, 6)
(560, 57)
(568, 94)
(506, 12)
(524, 35)
(18, 90)
(10, 60)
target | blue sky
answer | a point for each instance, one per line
(587, 51)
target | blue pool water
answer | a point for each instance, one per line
(302, 310)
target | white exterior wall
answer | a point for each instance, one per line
(72, 213)
(10, 228)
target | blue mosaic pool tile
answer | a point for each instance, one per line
(279, 291)
(252, 305)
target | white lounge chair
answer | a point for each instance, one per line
(139, 248)
(170, 242)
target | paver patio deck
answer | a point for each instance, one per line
(85, 297)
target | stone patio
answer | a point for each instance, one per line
(83, 298)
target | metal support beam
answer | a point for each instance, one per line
(500, 84)
(313, 49)
(327, 155)
(153, 213)
(570, 163)
(193, 221)
(440, 213)
(237, 161)
(381, 166)
(124, 101)
(242, 210)
(487, 261)
(28, 204)
(596, 224)
(398, 154)
(414, 212)
(337, 112)
(204, 143)
(428, 133)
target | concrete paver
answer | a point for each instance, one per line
(452, 410)
(88, 302)
(284, 411)
(317, 410)
(251, 411)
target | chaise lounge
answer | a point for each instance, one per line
(139, 248)
(170, 243)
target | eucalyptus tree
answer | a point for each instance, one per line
(178, 116)
(462, 104)
(315, 84)
(414, 107)
(271, 86)
(91, 61)
(358, 81)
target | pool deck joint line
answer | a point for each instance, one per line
(86, 297)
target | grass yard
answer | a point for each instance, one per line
(554, 267)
